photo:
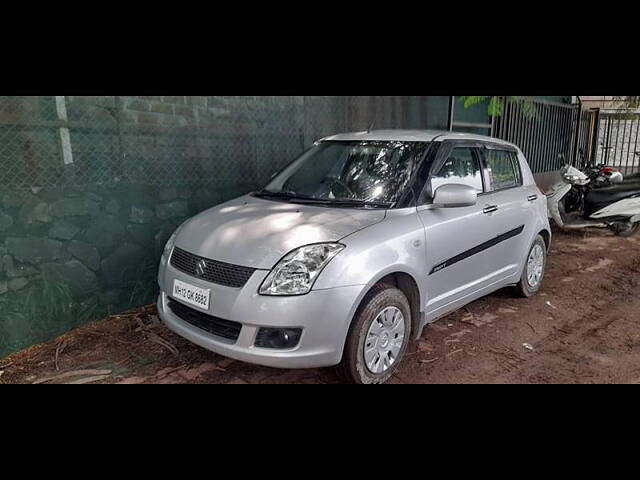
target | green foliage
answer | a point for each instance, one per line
(45, 308)
(144, 288)
(496, 104)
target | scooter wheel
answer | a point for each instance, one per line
(625, 229)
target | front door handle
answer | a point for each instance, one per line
(532, 198)
(490, 209)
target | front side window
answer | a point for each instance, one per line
(461, 167)
(358, 171)
(503, 170)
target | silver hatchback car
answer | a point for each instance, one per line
(353, 248)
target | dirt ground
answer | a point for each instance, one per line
(583, 327)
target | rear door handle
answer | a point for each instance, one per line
(490, 209)
(532, 198)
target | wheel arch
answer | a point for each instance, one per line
(546, 236)
(407, 284)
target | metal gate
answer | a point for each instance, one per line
(551, 134)
(617, 140)
(546, 135)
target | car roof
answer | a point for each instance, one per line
(412, 136)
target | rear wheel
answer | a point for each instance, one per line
(534, 268)
(625, 229)
(378, 337)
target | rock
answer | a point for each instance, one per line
(79, 278)
(34, 250)
(169, 193)
(13, 199)
(105, 231)
(124, 264)
(94, 197)
(178, 208)
(141, 234)
(34, 211)
(18, 284)
(86, 253)
(15, 272)
(113, 207)
(4, 287)
(74, 207)
(63, 230)
(5, 222)
(140, 214)
(185, 193)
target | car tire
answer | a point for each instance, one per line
(389, 308)
(535, 266)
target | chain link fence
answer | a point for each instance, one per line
(92, 187)
(169, 141)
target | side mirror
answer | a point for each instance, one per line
(454, 195)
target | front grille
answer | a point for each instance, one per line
(213, 325)
(221, 273)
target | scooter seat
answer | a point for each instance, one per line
(599, 198)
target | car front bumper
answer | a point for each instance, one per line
(323, 315)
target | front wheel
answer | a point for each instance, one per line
(534, 268)
(378, 337)
(625, 229)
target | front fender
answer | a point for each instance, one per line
(554, 197)
(396, 244)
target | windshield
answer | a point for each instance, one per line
(363, 171)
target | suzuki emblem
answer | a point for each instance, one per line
(201, 267)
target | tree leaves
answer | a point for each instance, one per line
(496, 104)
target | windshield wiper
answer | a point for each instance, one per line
(346, 202)
(286, 195)
(307, 199)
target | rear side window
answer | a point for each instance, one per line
(462, 167)
(503, 170)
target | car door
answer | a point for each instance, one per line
(458, 263)
(513, 216)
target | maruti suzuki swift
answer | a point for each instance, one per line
(349, 251)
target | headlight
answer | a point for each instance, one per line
(296, 273)
(168, 248)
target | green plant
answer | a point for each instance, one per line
(45, 308)
(496, 104)
(143, 288)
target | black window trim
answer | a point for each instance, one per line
(445, 149)
(514, 158)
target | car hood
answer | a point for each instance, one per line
(257, 233)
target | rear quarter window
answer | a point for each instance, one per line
(503, 170)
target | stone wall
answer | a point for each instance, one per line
(73, 255)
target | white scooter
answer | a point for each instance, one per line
(577, 202)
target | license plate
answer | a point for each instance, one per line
(196, 296)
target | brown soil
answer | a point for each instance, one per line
(583, 327)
